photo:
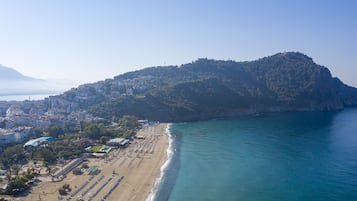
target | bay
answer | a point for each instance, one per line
(291, 156)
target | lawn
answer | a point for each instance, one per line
(96, 148)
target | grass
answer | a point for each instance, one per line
(96, 148)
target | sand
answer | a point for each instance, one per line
(133, 169)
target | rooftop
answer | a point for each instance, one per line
(38, 141)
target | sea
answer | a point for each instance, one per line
(304, 156)
(24, 97)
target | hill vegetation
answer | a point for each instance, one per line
(207, 89)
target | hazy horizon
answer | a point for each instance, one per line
(91, 41)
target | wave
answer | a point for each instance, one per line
(164, 167)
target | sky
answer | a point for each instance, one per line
(91, 40)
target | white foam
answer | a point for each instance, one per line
(163, 168)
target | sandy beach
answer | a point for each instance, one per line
(126, 175)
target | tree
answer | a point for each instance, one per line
(37, 132)
(94, 131)
(48, 168)
(115, 119)
(82, 125)
(68, 128)
(48, 155)
(104, 139)
(85, 166)
(12, 155)
(3, 124)
(16, 185)
(129, 122)
(127, 134)
(8, 175)
(77, 171)
(29, 176)
(15, 169)
(55, 131)
(64, 189)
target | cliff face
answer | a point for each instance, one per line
(300, 84)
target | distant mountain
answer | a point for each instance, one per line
(207, 89)
(7, 73)
(14, 83)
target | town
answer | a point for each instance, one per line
(34, 145)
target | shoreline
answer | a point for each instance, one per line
(163, 169)
(131, 174)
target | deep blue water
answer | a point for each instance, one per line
(308, 156)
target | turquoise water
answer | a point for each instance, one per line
(280, 157)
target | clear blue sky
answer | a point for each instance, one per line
(89, 40)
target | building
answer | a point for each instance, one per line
(16, 135)
(140, 137)
(118, 142)
(36, 142)
(143, 122)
